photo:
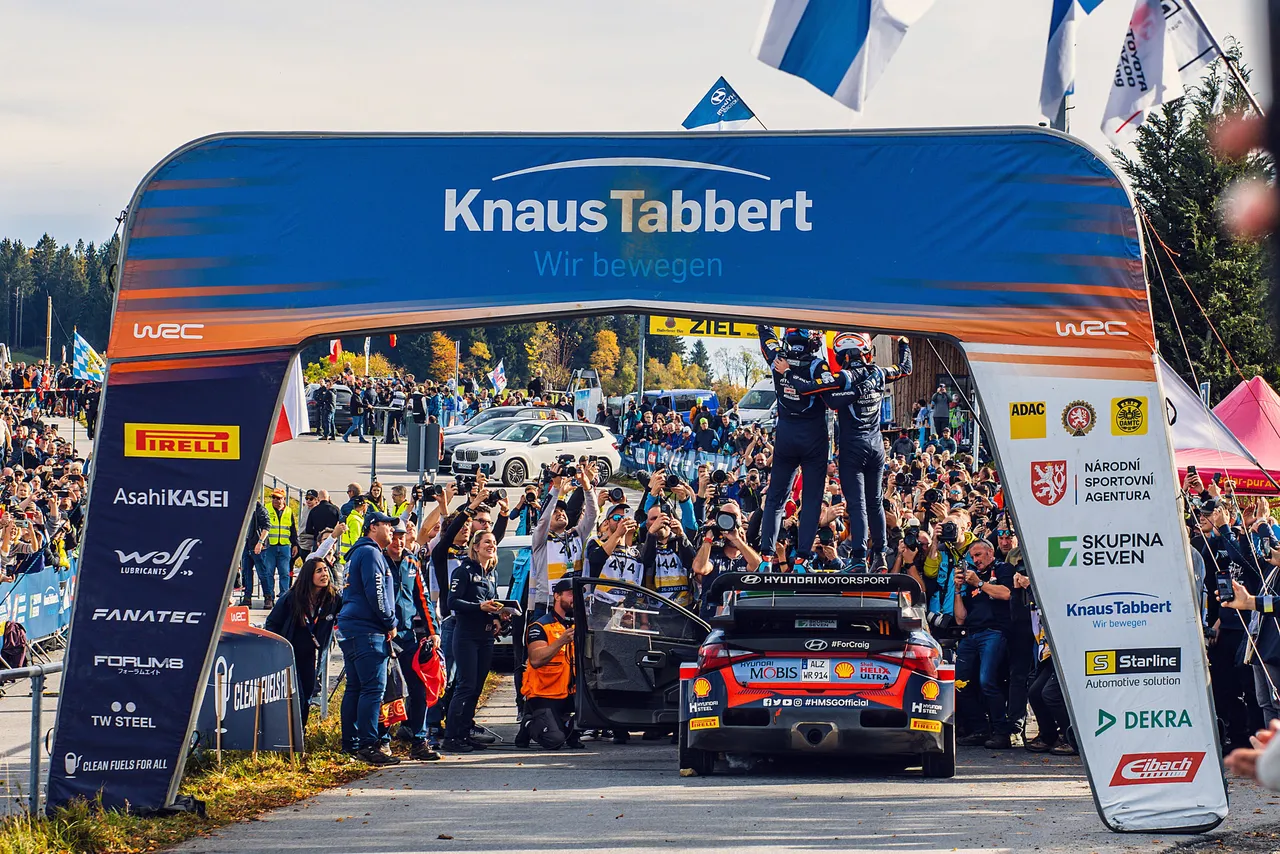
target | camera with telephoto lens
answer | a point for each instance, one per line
(719, 477)
(932, 495)
(911, 537)
(673, 480)
(902, 481)
(466, 483)
(494, 496)
(616, 495)
(826, 536)
(950, 533)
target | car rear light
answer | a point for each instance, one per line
(713, 656)
(917, 656)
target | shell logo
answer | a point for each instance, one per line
(844, 670)
(701, 687)
(929, 691)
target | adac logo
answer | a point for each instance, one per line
(701, 687)
(930, 690)
(1027, 420)
(182, 441)
(1078, 418)
(1049, 481)
(1129, 416)
(844, 670)
(718, 96)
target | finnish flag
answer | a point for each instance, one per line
(840, 46)
(721, 109)
(1059, 78)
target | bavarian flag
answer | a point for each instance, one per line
(86, 364)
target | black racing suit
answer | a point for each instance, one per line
(801, 443)
(856, 394)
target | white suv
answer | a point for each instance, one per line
(518, 453)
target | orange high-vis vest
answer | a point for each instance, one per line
(553, 680)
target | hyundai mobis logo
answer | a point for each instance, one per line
(628, 208)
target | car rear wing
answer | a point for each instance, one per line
(884, 605)
(787, 582)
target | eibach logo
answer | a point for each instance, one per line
(1137, 769)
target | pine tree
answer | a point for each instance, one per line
(701, 357)
(1178, 182)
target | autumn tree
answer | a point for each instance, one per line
(443, 358)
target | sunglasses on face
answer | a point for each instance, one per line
(618, 517)
(1004, 533)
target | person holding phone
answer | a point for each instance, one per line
(473, 599)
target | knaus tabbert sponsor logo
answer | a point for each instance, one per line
(137, 615)
(211, 499)
(187, 331)
(165, 564)
(182, 441)
(1119, 549)
(628, 210)
(1122, 609)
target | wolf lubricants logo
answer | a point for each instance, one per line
(182, 441)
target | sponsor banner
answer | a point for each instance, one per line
(1109, 559)
(799, 671)
(251, 668)
(149, 609)
(704, 723)
(692, 328)
(41, 601)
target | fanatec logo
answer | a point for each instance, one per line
(815, 645)
(1092, 329)
(137, 615)
(173, 331)
(167, 564)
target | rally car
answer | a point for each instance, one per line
(792, 664)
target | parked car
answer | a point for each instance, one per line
(542, 413)
(342, 407)
(514, 551)
(680, 400)
(518, 453)
(486, 430)
(759, 405)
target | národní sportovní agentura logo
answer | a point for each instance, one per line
(1110, 481)
(1124, 548)
(1049, 481)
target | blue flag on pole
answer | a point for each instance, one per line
(1059, 79)
(720, 109)
(86, 364)
(842, 47)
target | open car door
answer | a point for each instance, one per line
(629, 643)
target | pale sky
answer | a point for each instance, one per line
(93, 94)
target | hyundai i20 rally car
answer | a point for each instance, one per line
(790, 665)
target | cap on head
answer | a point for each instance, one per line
(564, 585)
(378, 516)
(278, 492)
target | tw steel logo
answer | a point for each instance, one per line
(1092, 329)
(172, 331)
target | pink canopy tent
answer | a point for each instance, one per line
(1236, 438)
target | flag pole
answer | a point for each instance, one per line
(1231, 66)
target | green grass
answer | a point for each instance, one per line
(241, 788)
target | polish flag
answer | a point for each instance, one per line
(293, 421)
(335, 350)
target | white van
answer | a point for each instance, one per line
(759, 405)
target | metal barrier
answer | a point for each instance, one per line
(36, 674)
(643, 456)
(292, 494)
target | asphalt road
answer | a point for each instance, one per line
(631, 798)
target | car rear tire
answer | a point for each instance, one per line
(604, 471)
(701, 762)
(515, 473)
(943, 764)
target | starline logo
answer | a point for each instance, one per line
(628, 209)
(1092, 329)
(1136, 769)
(182, 441)
(186, 331)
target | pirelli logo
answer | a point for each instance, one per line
(182, 441)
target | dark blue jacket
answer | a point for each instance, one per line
(313, 635)
(469, 586)
(369, 599)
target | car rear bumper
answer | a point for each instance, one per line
(818, 732)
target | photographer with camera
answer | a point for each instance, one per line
(912, 550)
(612, 552)
(666, 490)
(802, 440)
(724, 549)
(526, 510)
(558, 549)
(548, 683)
(984, 587)
(667, 557)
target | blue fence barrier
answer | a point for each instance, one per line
(41, 601)
(644, 456)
